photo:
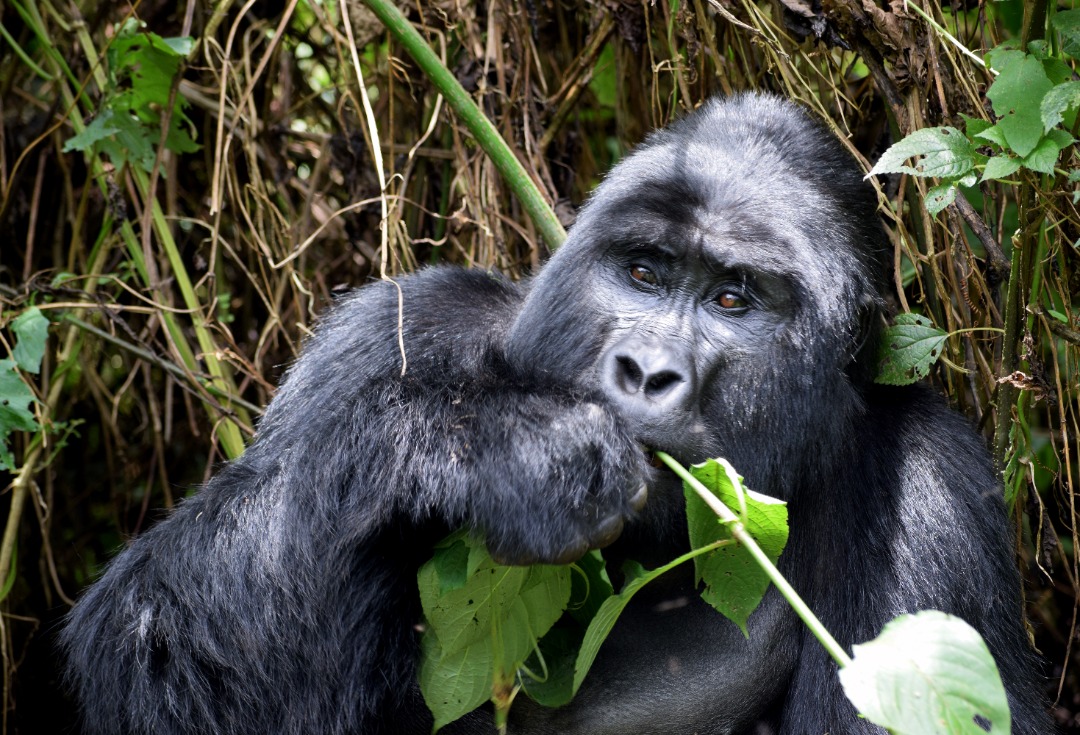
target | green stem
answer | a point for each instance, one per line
(743, 537)
(517, 178)
(1012, 316)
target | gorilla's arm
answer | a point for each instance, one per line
(932, 536)
(281, 598)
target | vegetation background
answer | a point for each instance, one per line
(181, 210)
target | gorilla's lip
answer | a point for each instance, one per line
(650, 454)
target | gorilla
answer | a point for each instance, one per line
(721, 294)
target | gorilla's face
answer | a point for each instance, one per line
(684, 312)
(714, 290)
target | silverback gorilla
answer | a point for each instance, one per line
(720, 295)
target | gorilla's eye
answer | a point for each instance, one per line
(642, 274)
(731, 300)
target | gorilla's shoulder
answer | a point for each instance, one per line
(930, 438)
(441, 318)
(432, 298)
(447, 284)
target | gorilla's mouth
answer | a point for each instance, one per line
(650, 456)
(654, 460)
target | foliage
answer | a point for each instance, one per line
(483, 622)
(926, 673)
(16, 394)
(1033, 97)
(142, 68)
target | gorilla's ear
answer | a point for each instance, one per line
(864, 351)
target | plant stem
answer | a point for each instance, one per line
(518, 179)
(743, 537)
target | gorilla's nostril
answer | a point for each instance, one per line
(661, 383)
(629, 374)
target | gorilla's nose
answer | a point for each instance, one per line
(649, 379)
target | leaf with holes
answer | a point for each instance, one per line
(939, 197)
(15, 413)
(925, 674)
(908, 349)
(945, 153)
(1017, 95)
(483, 620)
(1057, 101)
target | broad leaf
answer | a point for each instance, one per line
(734, 581)
(1067, 23)
(1017, 94)
(550, 679)
(993, 134)
(999, 167)
(483, 622)
(31, 329)
(939, 197)
(946, 153)
(926, 674)
(1046, 153)
(908, 349)
(15, 413)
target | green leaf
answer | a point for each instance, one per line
(1061, 138)
(604, 79)
(179, 45)
(551, 682)
(975, 125)
(604, 621)
(908, 349)
(15, 413)
(734, 581)
(1001, 56)
(1045, 156)
(608, 613)
(939, 197)
(1067, 23)
(994, 135)
(558, 650)
(1057, 71)
(946, 153)
(455, 684)
(142, 67)
(926, 674)
(480, 630)
(1059, 99)
(31, 329)
(1017, 94)
(1058, 315)
(99, 128)
(1000, 167)
(451, 562)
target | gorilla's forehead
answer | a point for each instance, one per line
(712, 205)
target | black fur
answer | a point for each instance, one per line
(282, 597)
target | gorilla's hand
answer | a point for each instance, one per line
(568, 478)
